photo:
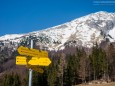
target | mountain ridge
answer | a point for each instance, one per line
(83, 31)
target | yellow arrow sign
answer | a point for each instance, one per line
(42, 61)
(35, 68)
(32, 52)
(21, 60)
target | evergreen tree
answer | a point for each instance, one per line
(94, 60)
(52, 74)
(11, 80)
(111, 61)
(24, 82)
(98, 62)
(16, 81)
(35, 77)
(71, 72)
(102, 63)
(5, 80)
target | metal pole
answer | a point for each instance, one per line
(30, 70)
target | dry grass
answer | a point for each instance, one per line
(105, 84)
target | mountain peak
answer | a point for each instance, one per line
(102, 12)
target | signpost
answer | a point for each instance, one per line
(42, 61)
(21, 60)
(32, 58)
(32, 52)
(35, 68)
(30, 70)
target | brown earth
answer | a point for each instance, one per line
(104, 84)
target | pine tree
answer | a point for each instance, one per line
(94, 60)
(98, 61)
(35, 79)
(16, 81)
(111, 61)
(5, 80)
(11, 80)
(102, 63)
(71, 72)
(8, 80)
(52, 74)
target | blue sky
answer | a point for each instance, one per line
(23, 16)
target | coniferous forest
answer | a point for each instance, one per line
(71, 66)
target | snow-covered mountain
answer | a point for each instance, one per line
(84, 31)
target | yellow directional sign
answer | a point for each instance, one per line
(21, 60)
(35, 68)
(32, 52)
(42, 61)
